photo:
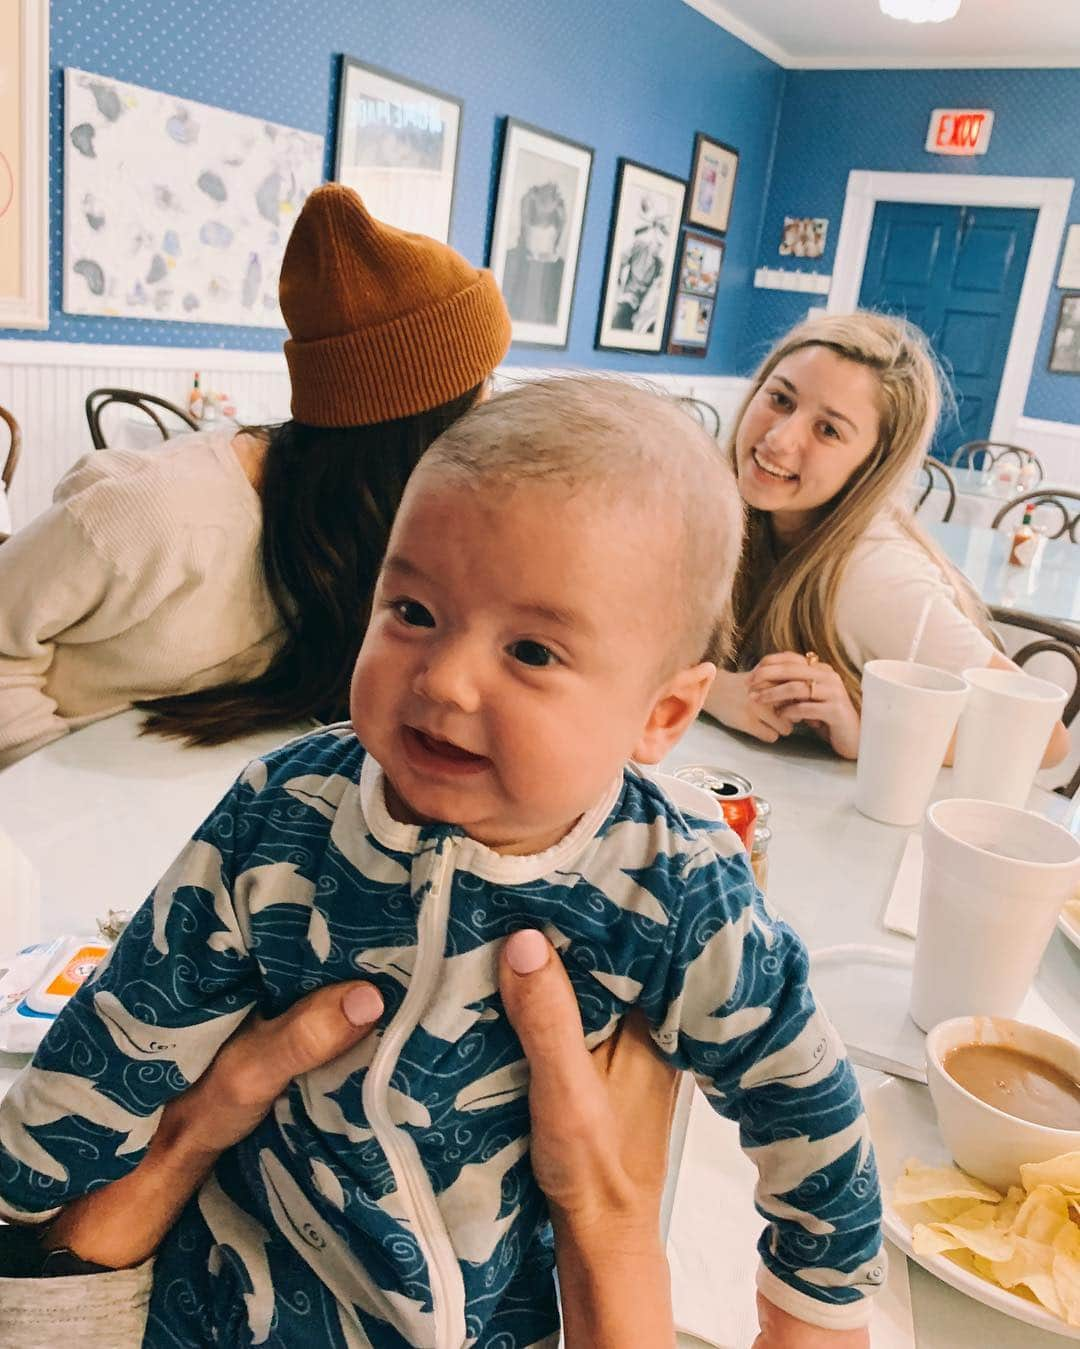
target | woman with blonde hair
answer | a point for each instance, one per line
(835, 569)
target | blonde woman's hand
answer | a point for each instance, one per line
(807, 691)
(730, 702)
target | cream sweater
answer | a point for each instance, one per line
(142, 580)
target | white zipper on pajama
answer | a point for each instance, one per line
(444, 1272)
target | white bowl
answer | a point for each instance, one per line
(984, 1141)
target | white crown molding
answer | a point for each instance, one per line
(887, 59)
(723, 18)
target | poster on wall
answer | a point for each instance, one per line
(24, 164)
(697, 279)
(803, 236)
(396, 143)
(712, 184)
(175, 209)
(641, 258)
(1065, 352)
(536, 238)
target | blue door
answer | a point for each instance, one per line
(956, 271)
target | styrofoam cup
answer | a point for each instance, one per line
(909, 712)
(1003, 733)
(994, 881)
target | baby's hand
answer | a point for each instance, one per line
(781, 1330)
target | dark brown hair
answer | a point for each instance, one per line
(329, 497)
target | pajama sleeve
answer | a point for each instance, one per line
(178, 983)
(733, 1006)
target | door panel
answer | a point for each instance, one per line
(956, 271)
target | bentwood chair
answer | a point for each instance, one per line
(14, 449)
(934, 474)
(1060, 642)
(99, 399)
(1054, 500)
(703, 413)
(984, 454)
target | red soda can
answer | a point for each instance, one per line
(732, 790)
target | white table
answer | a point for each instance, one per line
(978, 497)
(94, 819)
(1049, 588)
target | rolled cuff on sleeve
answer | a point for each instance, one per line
(829, 1315)
(106, 1309)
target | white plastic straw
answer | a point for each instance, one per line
(920, 627)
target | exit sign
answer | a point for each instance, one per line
(959, 131)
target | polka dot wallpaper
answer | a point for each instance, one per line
(636, 79)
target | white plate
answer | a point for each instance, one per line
(1070, 926)
(903, 1125)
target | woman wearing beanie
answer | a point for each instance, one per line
(225, 579)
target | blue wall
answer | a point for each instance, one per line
(835, 121)
(637, 79)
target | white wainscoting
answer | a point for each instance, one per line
(44, 384)
(1057, 445)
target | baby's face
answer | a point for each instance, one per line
(513, 657)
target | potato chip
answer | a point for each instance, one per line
(1062, 1172)
(1027, 1242)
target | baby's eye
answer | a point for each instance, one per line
(413, 614)
(532, 653)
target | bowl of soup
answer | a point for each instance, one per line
(1005, 1093)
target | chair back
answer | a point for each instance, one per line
(1050, 639)
(934, 474)
(99, 399)
(7, 472)
(703, 413)
(991, 452)
(1055, 500)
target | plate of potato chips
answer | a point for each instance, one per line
(1069, 922)
(1017, 1252)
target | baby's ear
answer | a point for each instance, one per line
(676, 706)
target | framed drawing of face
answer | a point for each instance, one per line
(1065, 350)
(536, 237)
(641, 258)
(397, 145)
(712, 184)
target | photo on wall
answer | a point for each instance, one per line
(536, 237)
(1065, 352)
(641, 258)
(697, 279)
(803, 236)
(712, 184)
(396, 143)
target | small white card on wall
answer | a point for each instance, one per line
(1069, 276)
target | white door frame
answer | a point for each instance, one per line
(1051, 196)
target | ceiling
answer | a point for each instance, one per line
(854, 34)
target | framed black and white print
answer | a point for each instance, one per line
(536, 236)
(697, 278)
(712, 184)
(1065, 350)
(640, 259)
(397, 145)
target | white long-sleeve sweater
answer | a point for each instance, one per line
(143, 580)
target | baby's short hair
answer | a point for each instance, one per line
(609, 433)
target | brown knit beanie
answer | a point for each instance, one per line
(384, 324)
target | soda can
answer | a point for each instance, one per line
(732, 791)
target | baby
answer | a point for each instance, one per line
(545, 623)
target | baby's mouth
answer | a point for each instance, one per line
(781, 475)
(443, 752)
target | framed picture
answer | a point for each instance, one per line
(1065, 351)
(536, 237)
(803, 236)
(712, 184)
(697, 278)
(640, 258)
(396, 143)
(24, 164)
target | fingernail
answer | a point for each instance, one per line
(527, 951)
(362, 1004)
